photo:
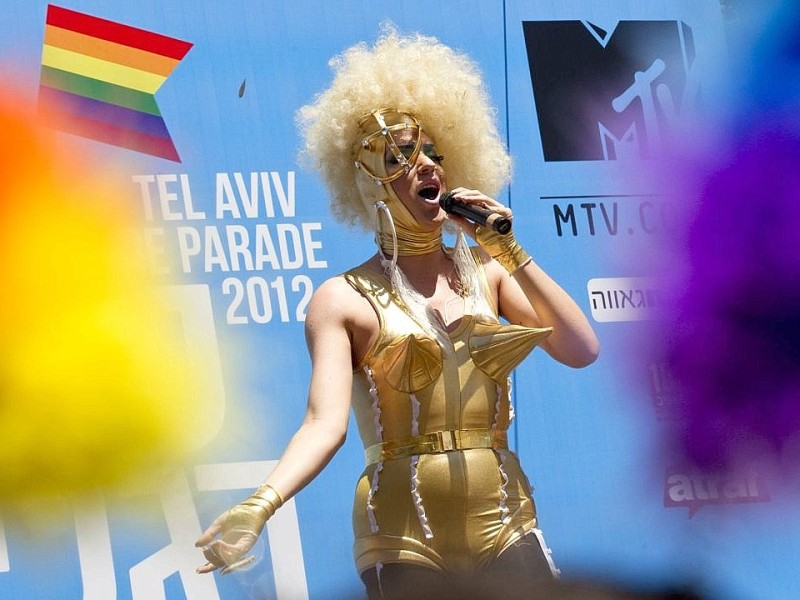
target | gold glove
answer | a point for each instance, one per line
(239, 529)
(503, 248)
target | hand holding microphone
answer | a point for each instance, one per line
(475, 214)
(493, 233)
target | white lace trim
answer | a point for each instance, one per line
(414, 415)
(548, 553)
(373, 522)
(376, 409)
(505, 516)
(510, 403)
(378, 568)
(497, 406)
(423, 520)
(504, 512)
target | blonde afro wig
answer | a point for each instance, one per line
(414, 74)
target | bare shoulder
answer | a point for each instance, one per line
(332, 303)
(338, 311)
(338, 303)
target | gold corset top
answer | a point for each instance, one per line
(407, 385)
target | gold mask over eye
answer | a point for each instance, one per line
(388, 133)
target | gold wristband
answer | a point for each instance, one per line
(265, 498)
(261, 503)
(503, 248)
(515, 258)
(268, 493)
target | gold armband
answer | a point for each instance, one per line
(503, 248)
(266, 498)
(252, 513)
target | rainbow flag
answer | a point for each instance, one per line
(99, 80)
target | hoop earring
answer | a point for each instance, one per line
(380, 207)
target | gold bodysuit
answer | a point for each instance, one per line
(440, 488)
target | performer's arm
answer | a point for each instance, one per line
(527, 295)
(325, 424)
(530, 297)
(320, 435)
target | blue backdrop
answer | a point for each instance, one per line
(244, 236)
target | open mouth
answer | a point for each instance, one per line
(429, 192)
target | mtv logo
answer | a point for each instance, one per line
(609, 94)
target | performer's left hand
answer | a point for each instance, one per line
(501, 247)
(479, 199)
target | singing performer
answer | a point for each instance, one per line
(412, 339)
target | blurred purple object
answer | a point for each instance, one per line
(732, 333)
(734, 344)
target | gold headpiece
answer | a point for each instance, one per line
(391, 143)
(397, 132)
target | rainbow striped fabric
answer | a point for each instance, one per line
(99, 78)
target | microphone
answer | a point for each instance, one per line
(475, 214)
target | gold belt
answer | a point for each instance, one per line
(438, 441)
